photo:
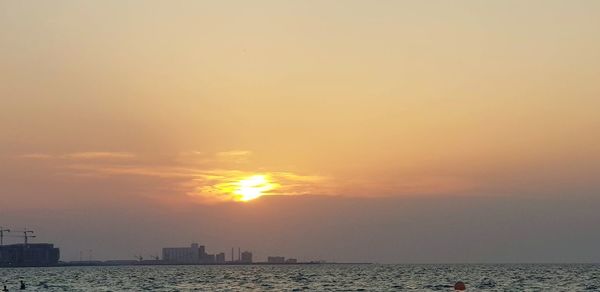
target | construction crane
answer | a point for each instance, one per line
(26, 236)
(2, 230)
(139, 257)
(155, 257)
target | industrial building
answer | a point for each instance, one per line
(29, 255)
(246, 257)
(220, 258)
(195, 254)
(207, 258)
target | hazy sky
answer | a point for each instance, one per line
(389, 131)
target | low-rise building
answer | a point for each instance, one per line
(32, 254)
(275, 260)
(207, 258)
(220, 258)
(187, 255)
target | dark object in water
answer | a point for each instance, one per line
(460, 286)
(5, 289)
(486, 283)
(23, 285)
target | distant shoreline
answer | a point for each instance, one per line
(114, 264)
(134, 263)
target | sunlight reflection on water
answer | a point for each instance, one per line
(307, 277)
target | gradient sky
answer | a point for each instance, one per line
(395, 131)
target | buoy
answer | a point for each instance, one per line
(460, 286)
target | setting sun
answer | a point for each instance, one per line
(253, 187)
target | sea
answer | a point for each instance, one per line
(325, 277)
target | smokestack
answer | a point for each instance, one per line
(239, 254)
(232, 254)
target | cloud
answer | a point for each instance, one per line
(116, 170)
(234, 153)
(81, 155)
(220, 184)
(236, 156)
(216, 176)
(41, 156)
(99, 155)
(206, 185)
(211, 177)
(207, 158)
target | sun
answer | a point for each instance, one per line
(253, 187)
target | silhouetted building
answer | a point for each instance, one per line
(220, 258)
(276, 260)
(33, 254)
(195, 254)
(291, 261)
(120, 262)
(183, 254)
(207, 258)
(246, 257)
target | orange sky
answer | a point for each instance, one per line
(379, 102)
(171, 102)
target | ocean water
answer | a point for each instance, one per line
(576, 277)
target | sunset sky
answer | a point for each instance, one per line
(388, 131)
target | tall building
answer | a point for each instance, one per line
(275, 260)
(246, 257)
(220, 258)
(187, 255)
(32, 255)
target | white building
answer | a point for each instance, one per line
(187, 255)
